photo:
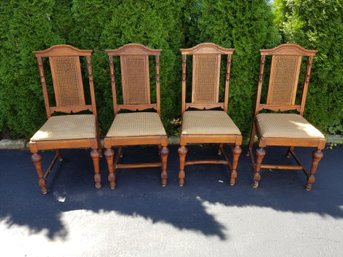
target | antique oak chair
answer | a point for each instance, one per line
(204, 125)
(135, 128)
(284, 129)
(67, 130)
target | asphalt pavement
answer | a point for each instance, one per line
(206, 217)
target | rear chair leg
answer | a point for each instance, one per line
(37, 162)
(260, 153)
(290, 149)
(317, 156)
(252, 136)
(182, 156)
(236, 152)
(109, 154)
(164, 152)
(95, 155)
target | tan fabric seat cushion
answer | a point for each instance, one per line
(66, 127)
(136, 124)
(287, 125)
(208, 123)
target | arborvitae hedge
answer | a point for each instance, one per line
(318, 25)
(246, 26)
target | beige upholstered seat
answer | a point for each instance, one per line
(66, 127)
(287, 125)
(209, 123)
(136, 124)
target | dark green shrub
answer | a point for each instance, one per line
(318, 25)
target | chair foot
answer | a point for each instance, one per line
(316, 157)
(181, 181)
(95, 155)
(255, 184)
(260, 153)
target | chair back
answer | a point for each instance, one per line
(67, 81)
(206, 63)
(284, 75)
(135, 77)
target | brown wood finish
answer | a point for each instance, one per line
(61, 53)
(295, 53)
(215, 53)
(141, 70)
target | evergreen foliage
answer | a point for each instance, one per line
(318, 25)
(247, 26)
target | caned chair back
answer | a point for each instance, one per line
(135, 77)
(66, 74)
(205, 76)
(285, 69)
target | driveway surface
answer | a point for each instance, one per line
(206, 217)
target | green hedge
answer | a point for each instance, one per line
(246, 25)
(318, 25)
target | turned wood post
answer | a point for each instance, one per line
(95, 155)
(164, 157)
(182, 156)
(236, 152)
(37, 162)
(260, 153)
(109, 154)
(317, 156)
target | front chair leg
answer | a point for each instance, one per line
(182, 156)
(260, 153)
(236, 152)
(164, 152)
(109, 154)
(317, 156)
(37, 162)
(95, 155)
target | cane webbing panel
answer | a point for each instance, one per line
(136, 124)
(135, 79)
(283, 81)
(205, 81)
(67, 80)
(286, 125)
(64, 127)
(208, 123)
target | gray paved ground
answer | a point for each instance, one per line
(139, 218)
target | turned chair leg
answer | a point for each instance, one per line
(317, 156)
(289, 152)
(37, 162)
(164, 152)
(109, 154)
(260, 153)
(236, 152)
(182, 156)
(95, 155)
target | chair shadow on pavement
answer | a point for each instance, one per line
(139, 193)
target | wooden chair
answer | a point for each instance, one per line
(66, 131)
(135, 128)
(204, 125)
(285, 129)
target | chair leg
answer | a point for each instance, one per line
(95, 155)
(317, 156)
(37, 162)
(164, 152)
(60, 157)
(252, 136)
(220, 149)
(182, 156)
(236, 152)
(109, 154)
(260, 153)
(290, 149)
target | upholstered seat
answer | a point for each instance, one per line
(136, 124)
(286, 125)
(66, 127)
(209, 123)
